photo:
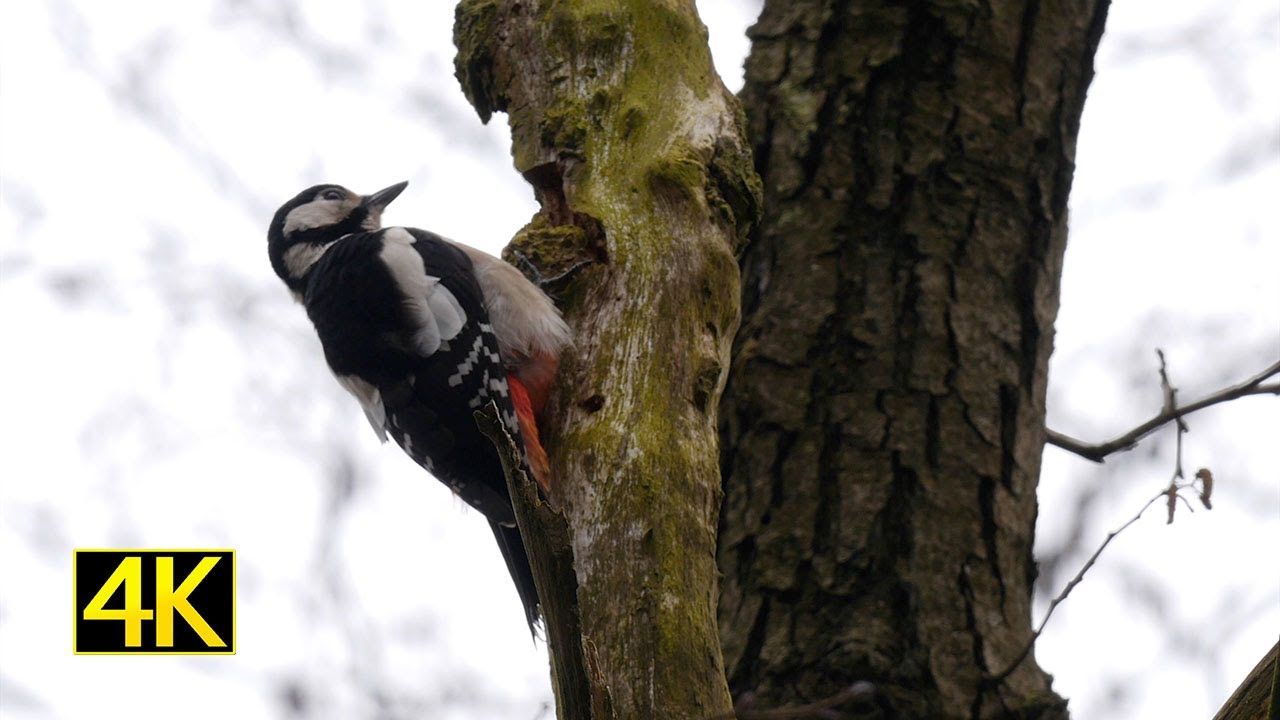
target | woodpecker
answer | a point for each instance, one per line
(423, 331)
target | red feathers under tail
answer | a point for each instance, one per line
(533, 451)
(537, 372)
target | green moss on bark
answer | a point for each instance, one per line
(473, 31)
(639, 158)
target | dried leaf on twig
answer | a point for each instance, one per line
(1206, 486)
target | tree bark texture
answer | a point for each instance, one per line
(1259, 693)
(638, 157)
(883, 423)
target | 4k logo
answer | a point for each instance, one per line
(179, 602)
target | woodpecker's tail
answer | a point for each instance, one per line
(509, 540)
(517, 559)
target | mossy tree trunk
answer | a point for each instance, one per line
(883, 423)
(882, 429)
(638, 156)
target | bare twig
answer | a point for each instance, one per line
(1097, 453)
(1171, 405)
(1072, 585)
(861, 691)
(1172, 494)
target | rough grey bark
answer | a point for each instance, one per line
(883, 423)
(638, 157)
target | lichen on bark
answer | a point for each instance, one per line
(638, 157)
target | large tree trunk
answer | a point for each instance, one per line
(639, 159)
(883, 424)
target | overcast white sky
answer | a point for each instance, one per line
(158, 388)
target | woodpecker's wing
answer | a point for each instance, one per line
(455, 311)
(404, 327)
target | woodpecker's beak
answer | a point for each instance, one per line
(383, 197)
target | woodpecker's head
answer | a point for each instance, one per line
(307, 225)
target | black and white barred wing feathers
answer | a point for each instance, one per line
(426, 364)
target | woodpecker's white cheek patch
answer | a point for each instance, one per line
(370, 400)
(436, 314)
(299, 258)
(314, 214)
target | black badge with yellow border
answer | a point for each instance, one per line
(149, 602)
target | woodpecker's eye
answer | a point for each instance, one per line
(331, 194)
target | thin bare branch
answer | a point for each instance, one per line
(1172, 494)
(1071, 585)
(1098, 453)
(1171, 404)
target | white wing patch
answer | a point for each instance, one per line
(436, 313)
(370, 399)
